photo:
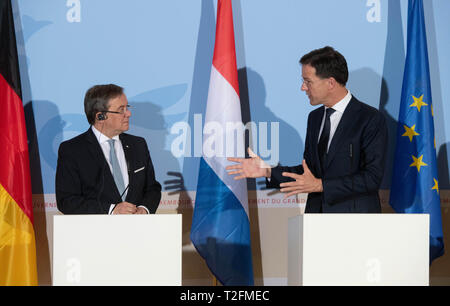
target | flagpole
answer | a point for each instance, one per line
(220, 228)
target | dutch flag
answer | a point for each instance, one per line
(220, 226)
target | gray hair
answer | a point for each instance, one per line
(97, 99)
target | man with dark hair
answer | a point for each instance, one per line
(104, 170)
(97, 98)
(345, 145)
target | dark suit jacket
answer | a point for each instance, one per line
(85, 184)
(354, 165)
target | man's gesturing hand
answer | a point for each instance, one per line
(252, 167)
(304, 183)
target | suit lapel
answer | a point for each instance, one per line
(99, 158)
(127, 149)
(94, 148)
(315, 128)
(347, 120)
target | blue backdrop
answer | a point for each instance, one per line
(161, 53)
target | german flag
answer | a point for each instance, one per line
(17, 239)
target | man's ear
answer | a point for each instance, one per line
(332, 83)
(101, 116)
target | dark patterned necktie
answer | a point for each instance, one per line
(324, 137)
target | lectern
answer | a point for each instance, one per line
(117, 250)
(358, 249)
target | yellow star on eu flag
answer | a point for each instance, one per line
(418, 102)
(410, 132)
(418, 162)
(436, 186)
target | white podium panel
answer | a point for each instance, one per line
(358, 249)
(117, 250)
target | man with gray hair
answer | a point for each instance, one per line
(104, 170)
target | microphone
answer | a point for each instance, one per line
(351, 174)
(120, 197)
(124, 191)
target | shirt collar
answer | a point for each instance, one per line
(102, 138)
(342, 105)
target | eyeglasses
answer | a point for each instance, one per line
(308, 83)
(121, 110)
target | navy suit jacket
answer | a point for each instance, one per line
(85, 184)
(354, 165)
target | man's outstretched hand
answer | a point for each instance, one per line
(252, 167)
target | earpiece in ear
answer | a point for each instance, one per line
(101, 117)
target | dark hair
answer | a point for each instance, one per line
(97, 99)
(328, 63)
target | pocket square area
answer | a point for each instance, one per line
(140, 169)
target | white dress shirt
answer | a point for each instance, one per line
(103, 141)
(335, 118)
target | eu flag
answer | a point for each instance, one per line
(415, 183)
